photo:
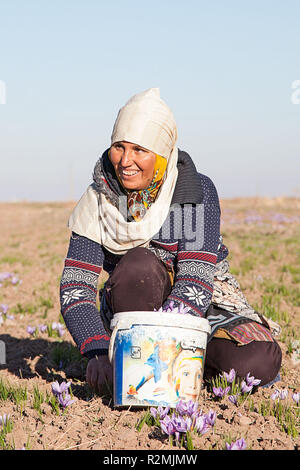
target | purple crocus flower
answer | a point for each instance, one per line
(229, 376)
(245, 388)
(233, 399)
(167, 426)
(5, 275)
(240, 444)
(181, 407)
(192, 408)
(160, 412)
(181, 424)
(251, 381)
(201, 425)
(275, 394)
(15, 280)
(4, 308)
(296, 397)
(61, 331)
(210, 418)
(182, 309)
(65, 400)
(187, 408)
(153, 412)
(43, 328)
(220, 392)
(4, 419)
(60, 389)
(281, 394)
(30, 329)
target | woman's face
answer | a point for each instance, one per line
(133, 164)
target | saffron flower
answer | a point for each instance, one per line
(240, 444)
(59, 389)
(62, 393)
(245, 388)
(220, 392)
(30, 329)
(4, 308)
(5, 275)
(296, 397)
(181, 424)
(4, 419)
(275, 394)
(281, 394)
(251, 381)
(59, 327)
(229, 376)
(65, 400)
(210, 418)
(160, 412)
(15, 280)
(233, 399)
(171, 309)
(190, 407)
(168, 426)
(201, 424)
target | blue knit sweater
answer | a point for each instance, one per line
(189, 244)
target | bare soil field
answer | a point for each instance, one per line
(262, 236)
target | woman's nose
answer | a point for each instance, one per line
(126, 158)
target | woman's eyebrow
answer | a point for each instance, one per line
(140, 148)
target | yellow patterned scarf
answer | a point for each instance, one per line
(139, 201)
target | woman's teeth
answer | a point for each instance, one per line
(129, 173)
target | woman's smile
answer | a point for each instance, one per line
(128, 173)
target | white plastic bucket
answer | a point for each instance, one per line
(158, 357)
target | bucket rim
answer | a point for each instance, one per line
(153, 318)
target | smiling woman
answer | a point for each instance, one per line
(161, 252)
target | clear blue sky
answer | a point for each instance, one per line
(224, 67)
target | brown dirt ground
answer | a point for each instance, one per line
(34, 244)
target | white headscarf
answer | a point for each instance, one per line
(147, 121)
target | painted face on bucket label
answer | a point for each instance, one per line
(133, 164)
(187, 374)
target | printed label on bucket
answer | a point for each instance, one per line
(158, 366)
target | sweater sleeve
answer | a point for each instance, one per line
(78, 293)
(197, 253)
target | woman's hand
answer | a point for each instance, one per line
(99, 373)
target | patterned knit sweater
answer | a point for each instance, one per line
(189, 253)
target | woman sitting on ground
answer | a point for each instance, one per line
(152, 222)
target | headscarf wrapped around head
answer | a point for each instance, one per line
(147, 121)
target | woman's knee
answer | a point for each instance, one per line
(140, 282)
(138, 263)
(262, 359)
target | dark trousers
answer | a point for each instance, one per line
(140, 281)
